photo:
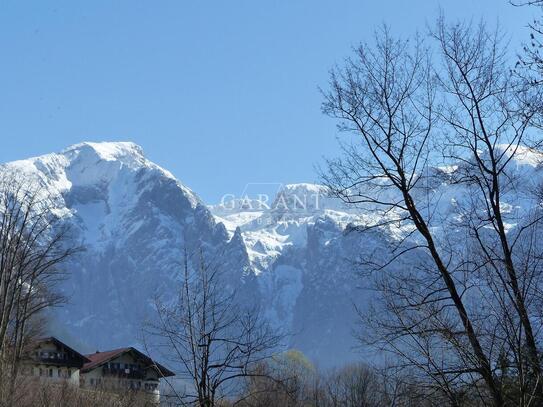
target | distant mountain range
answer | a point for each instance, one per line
(289, 254)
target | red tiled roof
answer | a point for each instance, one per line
(99, 358)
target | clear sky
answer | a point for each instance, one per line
(222, 93)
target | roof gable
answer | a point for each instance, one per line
(100, 358)
(59, 344)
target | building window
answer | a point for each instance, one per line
(50, 372)
(150, 386)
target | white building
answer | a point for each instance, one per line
(122, 370)
(53, 360)
(119, 370)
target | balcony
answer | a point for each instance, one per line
(56, 360)
(124, 373)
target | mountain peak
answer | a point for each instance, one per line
(124, 151)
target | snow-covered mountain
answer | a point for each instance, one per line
(133, 218)
(290, 254)
(301, 255)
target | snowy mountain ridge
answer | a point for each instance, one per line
(289, 253)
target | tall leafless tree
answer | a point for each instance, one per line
(410, 113)
(213, 339)
(33, 248)
(488, 120)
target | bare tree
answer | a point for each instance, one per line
(33, 248)
(410, 115)
(287, 379)
(214, 340)
(488, 121)
(355, 385)
(386, 97)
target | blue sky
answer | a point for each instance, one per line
(221, 93)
